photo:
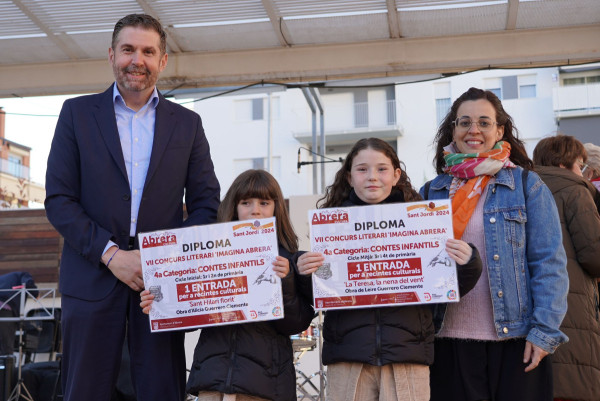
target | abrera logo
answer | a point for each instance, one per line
(159, 239)
(330, 217)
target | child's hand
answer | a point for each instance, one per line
(281, 266)
(459, 250)
(147, 300)
(309, 262)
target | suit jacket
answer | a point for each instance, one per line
(88, 198)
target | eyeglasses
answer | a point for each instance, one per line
(586, 171)
(464, 124)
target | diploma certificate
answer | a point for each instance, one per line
(212, 275)
(383, 255)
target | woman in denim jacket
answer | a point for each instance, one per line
(493, 344)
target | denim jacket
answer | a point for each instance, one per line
(525, 258)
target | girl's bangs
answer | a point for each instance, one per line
(257, 187)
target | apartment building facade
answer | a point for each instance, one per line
(16, 188)
(274, 129)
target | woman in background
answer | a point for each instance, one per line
(560, 162)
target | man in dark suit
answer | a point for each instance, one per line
(120, 163)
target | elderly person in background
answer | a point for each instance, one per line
(560, 162)
(492, 345)
(592, 172)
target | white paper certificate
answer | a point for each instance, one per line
(383, 255)
(212, 275)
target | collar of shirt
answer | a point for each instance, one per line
(118, 99)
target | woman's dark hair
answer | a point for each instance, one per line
(443, 138)
(557, 150)
(338, 192)
(259, 184)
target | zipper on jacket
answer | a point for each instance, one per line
(378, 336)
(231, 359)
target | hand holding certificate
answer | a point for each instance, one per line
(212, 275)
(383, 255)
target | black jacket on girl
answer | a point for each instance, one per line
(385, 335)
(253, 358)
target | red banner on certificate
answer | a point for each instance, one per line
(212, 275)
(383, 255)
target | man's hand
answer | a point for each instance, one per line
(126, 266)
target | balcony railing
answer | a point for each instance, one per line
(361, 114)
(577, 100)
(14, 169)
(391, 112)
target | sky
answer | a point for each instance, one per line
(31, 121)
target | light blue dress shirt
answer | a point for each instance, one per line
(136, 132)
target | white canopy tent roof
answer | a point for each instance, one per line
(61, 46)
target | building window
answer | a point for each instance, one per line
(441, 109)
(574, 81)
(256, 109)
(592, 79)
(512, 86)
(494, 85)
(257, 163)
(527, 86)
(390, 95)
(15, 165)
(442, 101)
(526, 91)
(497, 92)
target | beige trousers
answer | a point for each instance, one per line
(216, 396)
(352, 381)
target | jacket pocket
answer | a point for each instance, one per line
(514, 227)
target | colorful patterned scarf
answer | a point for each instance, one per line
(471, 172)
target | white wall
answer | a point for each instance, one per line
(339, 109)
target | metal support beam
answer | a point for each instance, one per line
(171, 42)
(511, 15)
(317, 98)
(392, 14)
(399, 57)
(313, 109)
(53, 36)
(279, 28)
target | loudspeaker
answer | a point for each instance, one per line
(7, 366)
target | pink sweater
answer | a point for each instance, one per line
(472, 317)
